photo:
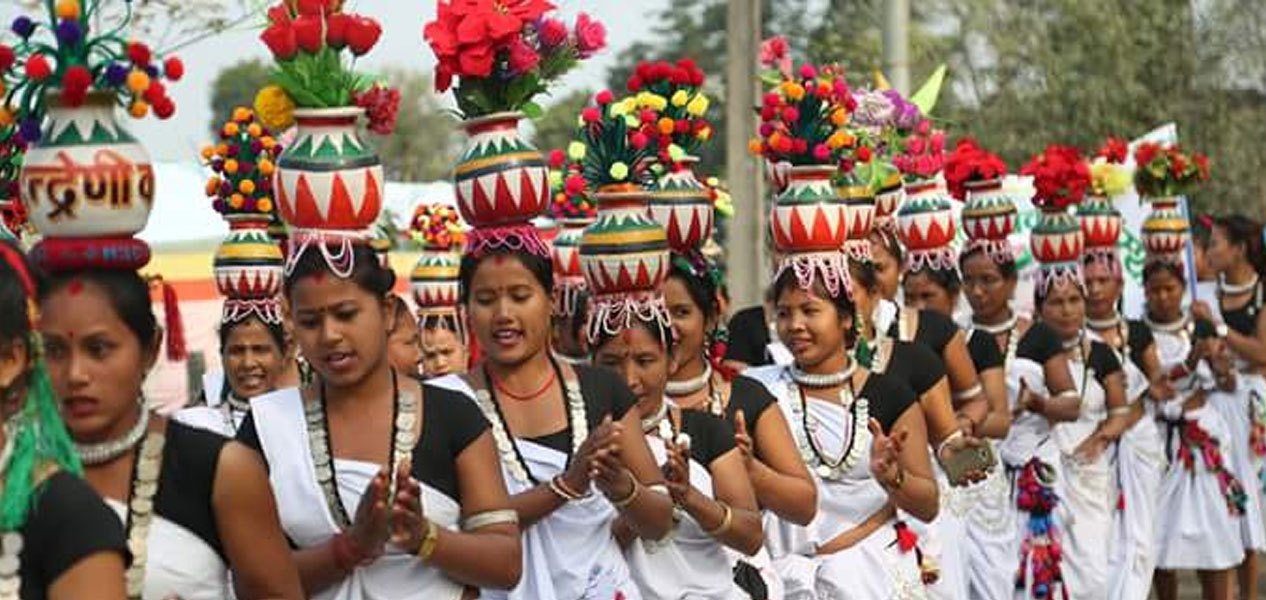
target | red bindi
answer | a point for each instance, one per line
(497, 259)
(75, 287)
(319, 276)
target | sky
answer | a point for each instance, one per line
(181, 137)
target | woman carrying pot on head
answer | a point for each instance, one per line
(388, 488)
(58, 540)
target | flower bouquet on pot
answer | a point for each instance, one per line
(1163, 173)
(498, 57)
(888, 118)
(1100, 220)
(248, 265)
(329, 181)
(87, 184)
(12, 213)
(1061, 179)
(679, 201)
(803, 117)
(573, 209)
(438, 229)
(975, 176)
(623, 254)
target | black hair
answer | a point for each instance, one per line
(651, 327)
(844, 306)
(1158, 266)
(402, 313)
(13, 296)
(703, 292)
(890, 242)
(1006, 268)
(947, 279)
(367, 271)
(275, 331)
(863, 273)
(1243, 231)
(1200, 231)
(541, 268)
(434, 322)
(127, 292)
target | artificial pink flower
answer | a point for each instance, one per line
(591, 35)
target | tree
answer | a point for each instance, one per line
(557, 127)
(235, 86)
(424, 145)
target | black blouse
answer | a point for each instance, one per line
(450, 423)
(889, 398)
(1102, 361)
(935, 330)
(604, 393)
(1039, 344)
(68, 522)
(190, 458)
(984, 351)
(710, 435)
(749, 396)
(915, 365)
(1244, 319)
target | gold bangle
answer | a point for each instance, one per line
(559, 486)
(429, 540)
(627, 500)
(726, 521)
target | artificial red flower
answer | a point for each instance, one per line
(336, 30)
(443, 77)
(362, 34)
(382, 108)
(591, 35)
(864, 154)
(1061, 177)
(164, 108)
(522, 57)
(1114, 150)
(308, 32)
(591, 114)
(173, 68)
(280, 40)
(556, 158)
(604, 97)
(970, 163)
(574, 185)
(7, 57)
(1202, 166)
(154, 92)
(1177, 164)
(77, 78)
(139, 54)
(37, 68)
(279, 15)
(553, 33)
(1145, 153)
(314, 8)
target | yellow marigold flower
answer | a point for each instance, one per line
(246, 187)
(231, 129)
(264, 204)
(698, 105)
(755, 146)
(242, 114)
(208, 152)
(6, 116)
(138, 81)
(666, 126)
(643, 99)
(704, 134)
(839, 117)
(839, 139)
(793, 91)
(632, 122)
(138, 109)
(619, 171)
(230, 166)
(213, 185)
(68, 9)
(236, 201)
(576, 151)
(254, 130)
(267, 142)
(222, 149)
(275, 108)
(680, 98)
(266, 167)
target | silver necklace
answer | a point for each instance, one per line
(511, 459)
(1172, 327)
(1000, 328)
(822, 380)
(810, 450)
(692, 385)
(1104, 324)
(653, 421)
(140, 509)
(95, 454)
(1232, 289)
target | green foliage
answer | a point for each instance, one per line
(235, 85)
(479, 97)
(319, 80)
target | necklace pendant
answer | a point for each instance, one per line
(823, 471)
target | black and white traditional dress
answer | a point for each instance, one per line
(688, 563)
(317, 493)
(1244, 411)
(222, 412)
(1140, 464)
(169, 520)
(66, 524)
(1087, 489)
(834, 439)
(571, 553)
(1201, 501)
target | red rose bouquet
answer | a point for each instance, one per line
(921, 154)
(1061, 177)
(803, 118)
(62, 54)
(315, 45)
(504, 53)
(1163, 170)
(243, 161)
(969, 163)
(676, 91)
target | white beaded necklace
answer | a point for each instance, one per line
(692, 385)
(95, 454)
(858, 442)
(508, 449)
(1172, 327)
(1232, 289)
(822, 380)
(1104, 324)
(1004, 327)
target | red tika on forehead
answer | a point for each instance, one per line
(497, 259)
(75, 287)
(319, 276)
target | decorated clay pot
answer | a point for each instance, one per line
(1057, 237)
(888, 200)
(1100, 223)
(808, 216)
(779, 175)
(1165, 230)
(623, 251)
(989, 213)
(500, 177)
(329, 178)
(434, 278)
(925, 221)
(87, 177)
(859, 215)
(248, 264)
(565, 252)
(683, 206)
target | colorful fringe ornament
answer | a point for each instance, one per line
(1194, 440)
(1035, 494)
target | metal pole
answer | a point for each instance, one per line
(897, 44)
(747, 270)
